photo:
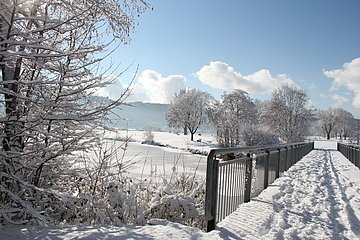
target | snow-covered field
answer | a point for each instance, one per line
(318, 198)
(145, 159)
(202, 142)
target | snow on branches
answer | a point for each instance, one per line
(287, 115)
(50, 52)
(231, 116)
(189, 110)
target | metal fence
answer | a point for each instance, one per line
(250, 170)
(351, 152)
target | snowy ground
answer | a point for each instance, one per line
(318, 198)
(145, 159)
(202, 142)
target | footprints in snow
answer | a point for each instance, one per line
(305, 199)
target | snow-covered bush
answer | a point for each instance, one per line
(172, 206)
(149, 136)
(254, 137)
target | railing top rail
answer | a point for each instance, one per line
(254, 149)
(349, 144)
(223, 163)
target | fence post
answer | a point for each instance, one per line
(248, 178)
(212, 173)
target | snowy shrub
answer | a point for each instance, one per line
(149, 136)
(182, 203)
(124, 206)
(172, 206)
(254, 137)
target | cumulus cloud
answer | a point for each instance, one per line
(339, 100)
(112, 91)
(222, 76)
(349, 77)
(155, 88)
(151, 87)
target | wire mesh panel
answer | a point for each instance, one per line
(289, 158)
(273, 166)
(231, 186)
(259, 174)
(282, 162)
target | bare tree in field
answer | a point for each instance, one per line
(327, 120)
(50, 52)
(235, 112)
(286, 114)
(188, 110)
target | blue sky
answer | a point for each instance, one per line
(256, 45)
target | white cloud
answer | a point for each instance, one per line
(222, 76)
(339, 100)
(349, 77)
(155, 88)
(151, 86)
(112, 91)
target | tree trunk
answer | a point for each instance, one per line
(12, 141)
(192, 136)
(185, 131)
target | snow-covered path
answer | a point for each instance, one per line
(317, 198)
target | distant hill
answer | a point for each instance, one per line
(138, 115)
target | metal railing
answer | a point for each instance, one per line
(351, 152)
(250, 170)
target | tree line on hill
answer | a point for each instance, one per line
(240, 120)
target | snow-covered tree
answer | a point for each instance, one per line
(188, 110)
(355, 134)
(286, 114)
(345, 123)
(327, 119)
(50, 51)
(255, 136)
(235, 112)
